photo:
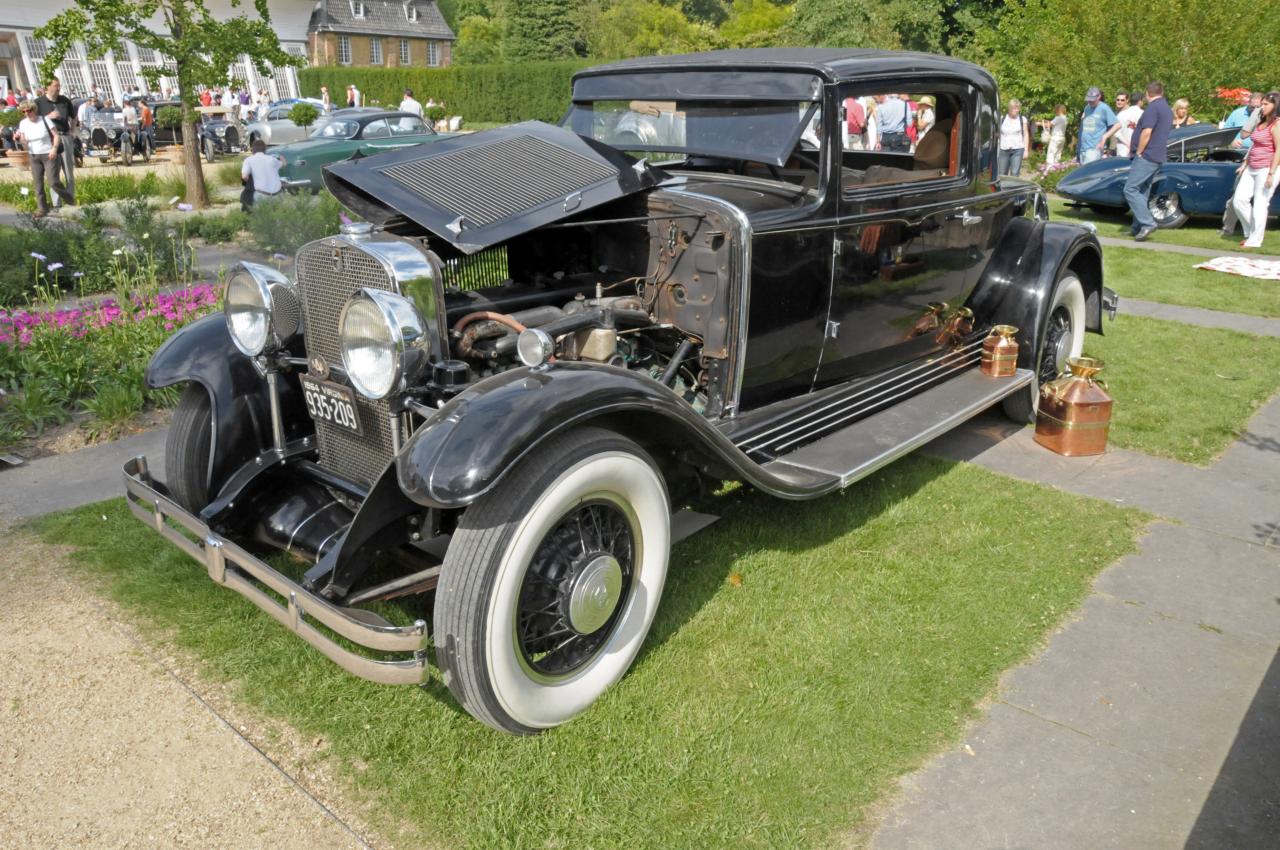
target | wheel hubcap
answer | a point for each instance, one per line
(575, 589)
(1059, 337)
(594, 594)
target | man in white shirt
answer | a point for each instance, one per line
(264, 169)
(1128, 112)
(409, 104)
(129, 118)
(41, 141)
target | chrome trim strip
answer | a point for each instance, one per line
(313, 515)
(231, 566)
(277, 422)
(744, 287)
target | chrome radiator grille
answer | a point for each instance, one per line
(325, 286)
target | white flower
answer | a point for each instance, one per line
(117, 252)
(146, 236)
(173, 200)
(25, 191)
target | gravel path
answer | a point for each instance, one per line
(103, 747)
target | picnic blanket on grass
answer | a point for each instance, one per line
(1244, 266)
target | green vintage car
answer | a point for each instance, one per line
(364, 134)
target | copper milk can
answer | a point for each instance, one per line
(1000, 352)
(1075, 411)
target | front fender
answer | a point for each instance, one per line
(1017, 286)
(204, 353)
(463, 450)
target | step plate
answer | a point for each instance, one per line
(869, 444)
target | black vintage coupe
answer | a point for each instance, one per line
(489, 396)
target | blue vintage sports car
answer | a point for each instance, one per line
(1197, 180)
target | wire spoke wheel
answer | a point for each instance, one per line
(576, 585)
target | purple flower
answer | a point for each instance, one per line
(279, 256)
(53, 267)
(40, 257)
(185, 207)
(342, 217)
(78, 274)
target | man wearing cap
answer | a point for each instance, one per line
(1150, 143)
(41, 140)
(1095, 121)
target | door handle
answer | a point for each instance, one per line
(966, 218)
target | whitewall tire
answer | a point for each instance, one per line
(1062, 339)
(551, 582)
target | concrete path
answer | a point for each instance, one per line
(1152, 719)
(1256, 325)
(1230, 248)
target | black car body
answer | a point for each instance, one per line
(544, 338)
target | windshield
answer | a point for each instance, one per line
(760, 131)
(336, 130)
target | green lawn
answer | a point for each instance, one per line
(1182, 391)
(1198, 232)
(1174, 279)
(806, 655)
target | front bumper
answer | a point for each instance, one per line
(233, 567)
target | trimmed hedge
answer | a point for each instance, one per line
(488, 93)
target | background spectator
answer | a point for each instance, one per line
(1182, 116)
(1096, 119)
(1150, 144)
(1057, 127)
(1015, 141)
(1258, 182)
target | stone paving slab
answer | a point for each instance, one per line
(1229, 248)
(1257, 325)
(66, 481)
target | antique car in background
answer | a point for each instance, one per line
(1198, 179)
(221, 133)
(348, 133)
(106, 139)
(275, 127)
(486, 400)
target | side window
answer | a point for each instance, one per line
(899, 137)
(377, 130)
(408, 126)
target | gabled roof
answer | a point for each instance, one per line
(381, 17)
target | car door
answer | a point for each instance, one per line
(908, 237)
(376, 137)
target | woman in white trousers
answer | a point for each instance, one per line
(1258, 178)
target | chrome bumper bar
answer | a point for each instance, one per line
(231, 566)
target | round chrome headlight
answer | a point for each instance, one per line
(385, 343)
(261, 308)
(221, 131)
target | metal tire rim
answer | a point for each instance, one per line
(1059, 336)
(571, 577)
(1163, 207)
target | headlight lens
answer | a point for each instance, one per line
(534, 347)
(261, 308)
(384, 342)
(221, 131)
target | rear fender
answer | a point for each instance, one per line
(462, 451)
(204, 353)
(1018, 284)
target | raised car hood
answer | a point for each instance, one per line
(477, 190)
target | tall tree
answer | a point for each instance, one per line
(754, 23)
(540, 29)
(1046, 51)
(889, 24)
(643, 28)
(202, 47)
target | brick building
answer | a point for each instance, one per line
(379, 33)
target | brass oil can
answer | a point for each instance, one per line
(958, 326)
(1000, 352)
(1075, 411)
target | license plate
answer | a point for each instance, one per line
(331, 403)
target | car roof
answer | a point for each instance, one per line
(832, 64)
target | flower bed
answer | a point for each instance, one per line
(1048, 176)
(90, 359)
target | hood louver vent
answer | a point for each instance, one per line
(478, 190)
(487, 184)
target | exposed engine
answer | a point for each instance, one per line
(646, 291)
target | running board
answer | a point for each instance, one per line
(869, 444)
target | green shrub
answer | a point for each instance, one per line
(217, 229)
(304, 114)
(169, 117)
(285, 223)
(227, 174)
(10, 118)
(491, 93)
(434, 113)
